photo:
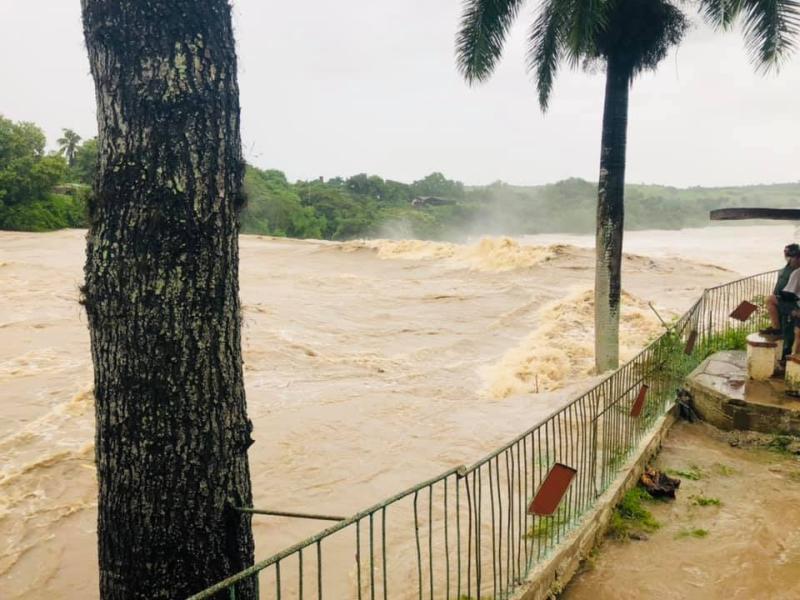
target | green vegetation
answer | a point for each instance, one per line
(40, 191)
(784, 444)
(368, 206)
(31, 198)
(631, 516)
(546, 527)
(725, 470)
(703, 501)
(693, 473)
(695, 533)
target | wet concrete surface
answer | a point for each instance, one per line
(745, 547)
(725, 397)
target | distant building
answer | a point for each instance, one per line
(422, 201)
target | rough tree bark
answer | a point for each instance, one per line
(162, 299)
(610, 218)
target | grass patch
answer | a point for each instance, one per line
(725, 470)
(630, 515)
(693, 473)
(694, 533)
(546, 527)
(704, 501)
(782, 444)
(668, 364)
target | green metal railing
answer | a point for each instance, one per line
(466, 533)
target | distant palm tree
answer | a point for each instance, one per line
(68, 145)
(626, 37)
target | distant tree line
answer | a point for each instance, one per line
(41, 191)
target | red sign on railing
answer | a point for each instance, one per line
(552, 490)
(743, 311)
(638, 404)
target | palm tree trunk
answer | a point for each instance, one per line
(610, 218)
(162, 299)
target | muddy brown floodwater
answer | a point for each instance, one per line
(745, 548)
(369, 366)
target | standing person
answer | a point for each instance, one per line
(780, 304)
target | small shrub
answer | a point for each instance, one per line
(545, 527)
(725, 470)
(693, 473)
(55, 211)
(695, 533)
(703, 501)
(630, 515)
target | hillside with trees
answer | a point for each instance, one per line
(41, 191)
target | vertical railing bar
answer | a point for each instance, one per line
(520, 502)
(553, 523)
(560, 511)
(509, 457)
(458, 537)
(469, 533)
(499, 524)
(358, 557)
(581, 410)
(569, 460)
(526, 498)
(300, 573)
(494, 533)
(278, 580)
(319, 569)
(419, 550)
(383, 554)
(573, 489)
(542, 472)
(430, 537)
(446, 546)
(478, 532)
(372, 556)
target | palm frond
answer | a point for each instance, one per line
(771, 28)
(720, 13)
(480, 39)
(546, 47)
(587, 18)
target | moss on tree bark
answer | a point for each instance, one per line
(162, 298)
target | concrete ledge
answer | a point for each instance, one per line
(549, 578)
(723, 396)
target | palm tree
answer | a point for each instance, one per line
(626, 37)
(68, 145)
(770, 28)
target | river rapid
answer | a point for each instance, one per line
(369, 366)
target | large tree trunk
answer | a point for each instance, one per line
(162, 299)
(610, 218)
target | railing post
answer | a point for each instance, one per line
(595, 418)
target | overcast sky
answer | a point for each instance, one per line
(338, 88)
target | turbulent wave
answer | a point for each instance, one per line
(43, 477)
(491, 254)
(561, 350)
